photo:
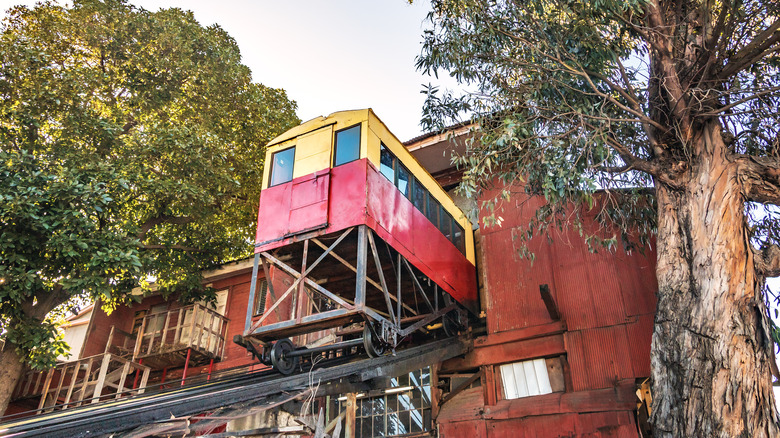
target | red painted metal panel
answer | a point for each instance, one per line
(338, 194)
(399, 223)
(309, 202)
(273, 215)
(599, 357)
(551, 426)
(640, 334)
(347, 195)
(638, 282)
(470, 429)
(591, 289)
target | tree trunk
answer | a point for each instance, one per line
(710, 352)
(10, 371)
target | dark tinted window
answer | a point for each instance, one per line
(387, 163)
(404, 180)
(282, 166)
(445, 222)
(419, 196)
(347, 145)
(432, 212)
(458, 237)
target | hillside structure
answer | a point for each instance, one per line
(374, 306)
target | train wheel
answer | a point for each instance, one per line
(285, 365)
(373, 345)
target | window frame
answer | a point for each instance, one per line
(336, 144)
(273, 167)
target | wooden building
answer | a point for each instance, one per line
(556, 347)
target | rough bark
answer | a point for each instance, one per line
(710, 353)
(10, 371)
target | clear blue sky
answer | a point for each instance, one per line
(328, 55)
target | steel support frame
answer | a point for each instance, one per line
(390, 321)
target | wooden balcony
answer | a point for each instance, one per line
(170, 338)
(89, 380)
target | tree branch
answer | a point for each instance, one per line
(760, 178)
(767, 261)
(741, 101)
(177, 247)
(162, 219)
(753, 51)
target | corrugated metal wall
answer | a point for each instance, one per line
(606, 299)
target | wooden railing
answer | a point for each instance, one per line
(83, 381)
(191, 327)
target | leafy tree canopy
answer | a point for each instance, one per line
(131, 146)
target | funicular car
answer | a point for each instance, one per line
(360, 247)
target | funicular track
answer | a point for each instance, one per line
(119, 417)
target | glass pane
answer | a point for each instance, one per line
(282, 166)
(403, 419)
(347, 145)
(416, 421)
(458, 237)
(417, 398)
(386, 163)
(403, 380)
(392, 403)
(404, 403)
(364, 426)
(432, 212)
(403, 180)
(427, 419)
(419, 196)
(426, 376)
(445, 223)
(379, 425)
(379, 406)
(394, 425)
(364, 407)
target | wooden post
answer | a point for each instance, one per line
(59, 387)
(120, 388)
(73, 379)
(45, 391)
(101, 378)
(489, 385)
(110, 339)
(179, 325)
(192, 325)
(144, 380)
(435, 391)
(164, 333)
(139, 339)
(350, 431)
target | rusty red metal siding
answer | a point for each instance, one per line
(606, 301)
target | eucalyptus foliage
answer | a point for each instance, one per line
(131, 147)
(562, 92)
